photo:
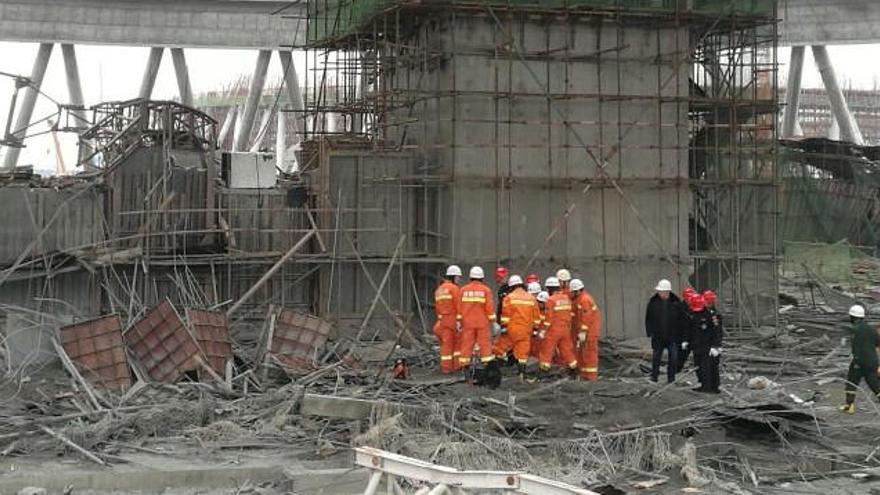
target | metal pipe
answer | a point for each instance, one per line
(793, 91)
(74, 85)
(182, 73)
(150, 72)
(258, 81)
(23, 120)
(849, 130)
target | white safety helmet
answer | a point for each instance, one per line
(453, 271)
(664, 286)
(533, 288)
(576, 284)
(857, 311)
(543, 296)
(514, 280)
(563, 275)
(552, 282)
(476, 273)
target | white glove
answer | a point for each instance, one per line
(502, 330)
(458, 326)
(582, 337)
(542, 334)
(496, 328)
(715, 352)
(684, 346)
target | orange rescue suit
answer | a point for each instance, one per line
(587, 321)
(558, 332)
(519, 314)
(477, 310)
(446, 307)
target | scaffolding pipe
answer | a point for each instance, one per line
(849, 130)
(23, 120)
(154, 60)
(793, 92)
(182, 73)
(258, 81)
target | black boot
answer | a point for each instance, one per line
(492, 377)
(521, 368)
(511, 359)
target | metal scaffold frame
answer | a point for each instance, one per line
(712, 106)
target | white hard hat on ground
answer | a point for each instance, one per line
(664, 286)
(453, 271)
(477, 273)
(514, 280)
(576, 284)
(533, 288)
(857, 311)
(563, 275)
(543, 296)
(552, 282)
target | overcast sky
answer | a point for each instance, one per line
(114, 73)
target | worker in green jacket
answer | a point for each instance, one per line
(864, 341)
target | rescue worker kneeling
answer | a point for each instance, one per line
(519, 314)
(557, 329)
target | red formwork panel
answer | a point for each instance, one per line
(98, 352)
(296, 338)
(211, 330)
(162, 343)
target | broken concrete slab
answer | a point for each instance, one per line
(330, 406)
(163, 344)
(296, 339)
(98, 352)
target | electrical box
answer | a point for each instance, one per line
(248, 170)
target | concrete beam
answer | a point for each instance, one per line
(258, 82)
(154, 60)
(26, 110)
(182, 73)
(169, 23)
(820, 22)
(793, 91)
(74, 86)
(849, 130)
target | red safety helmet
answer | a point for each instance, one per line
(688, 292)
(532, 277)
(501, 274)
(710, 297)
(697, 303)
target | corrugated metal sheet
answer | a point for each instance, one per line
(163, 345)
(97, 351)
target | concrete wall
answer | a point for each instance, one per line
(517, 164)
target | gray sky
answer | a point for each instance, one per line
(114, 73)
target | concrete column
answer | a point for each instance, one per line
(258, 81)
(793, 91)
(294, 92)
(26, 110)
(849, 130)
(280, 142)
(261, 131)
(74, 86)
(150, 72)
(182, 73)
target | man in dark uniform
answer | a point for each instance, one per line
(705, 339)
(864, 341)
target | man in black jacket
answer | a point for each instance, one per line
(664, 320)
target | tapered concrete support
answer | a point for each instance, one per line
(261, 131)
(150, 72)
(26, 110)
(258, 82)
(793, 91)
(228, 123)
(182, 73)
(74, 86)
(281, 142)
(849, 130)
(294, 92)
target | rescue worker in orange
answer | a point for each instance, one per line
(535, 349)
(556, 335)
(519, 315)
(477, 311)
(446, 327)
(564, 277)
(587, 324)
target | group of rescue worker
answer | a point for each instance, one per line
(557, 323)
